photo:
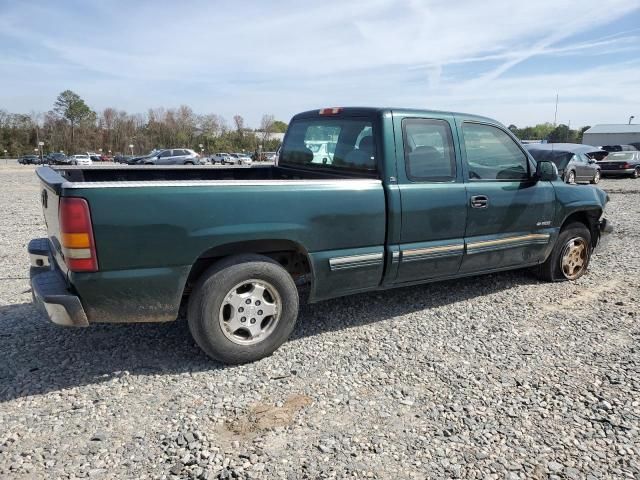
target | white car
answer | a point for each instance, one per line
(81, 160)
(244, 160)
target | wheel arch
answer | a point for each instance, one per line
(588, 217)
(291, 255)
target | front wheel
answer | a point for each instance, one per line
(243, 308)
(596, 178)
(569, 259)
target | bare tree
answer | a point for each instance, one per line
(266, 128)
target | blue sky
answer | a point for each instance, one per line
(506, 60)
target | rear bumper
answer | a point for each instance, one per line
(49, 289)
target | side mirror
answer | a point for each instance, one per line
(546, 171)
(592, 161)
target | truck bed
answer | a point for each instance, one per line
(154, 225)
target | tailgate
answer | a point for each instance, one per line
(50, 188)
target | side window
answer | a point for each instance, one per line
(165, 154)
(492, 154)
(428, 150)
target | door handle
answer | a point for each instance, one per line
(479, 201)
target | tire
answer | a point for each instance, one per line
(188, 163)
(209, 308)
(636, 173)
(552, 269)
(571, 177)
(596, 178)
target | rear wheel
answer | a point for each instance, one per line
(596, 178)
(571, 177)
(570, 257)
(243, 308)
(636, 173)
(188, 163)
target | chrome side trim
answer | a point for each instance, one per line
(345, 183)
(509, 242)
(418, 254)
(355, 261)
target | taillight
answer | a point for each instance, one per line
(76, 232)
(330, 111)
(626, 165)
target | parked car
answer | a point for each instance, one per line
(29, 160)
(57, 158)
(269, 156)
(175, 156)
(243, 159)
(621, 163)
(106, 158)
(93, 156)
(120, 158)
(619, 148)
(222, 159)
(81, 159)
(423, 196)
(572, 159)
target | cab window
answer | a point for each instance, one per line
(428, 150)
(492, 154)
(330, 143)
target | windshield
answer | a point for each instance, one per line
(334, 143)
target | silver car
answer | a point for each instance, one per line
(174, 156)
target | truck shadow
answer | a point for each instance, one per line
(39, 357)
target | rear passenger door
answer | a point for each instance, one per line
(433, 199)
(510, 214)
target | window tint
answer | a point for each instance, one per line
(492, 154)
(166, 153)
(340, 143)
(428, 147)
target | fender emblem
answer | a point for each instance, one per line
(543, 224)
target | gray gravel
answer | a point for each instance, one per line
(493, 377)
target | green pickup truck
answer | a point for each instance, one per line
(399, 197)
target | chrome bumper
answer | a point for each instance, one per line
(49, 288)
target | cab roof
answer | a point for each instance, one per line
(375, 111)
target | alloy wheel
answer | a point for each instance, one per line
(574, 257)
(250, 312)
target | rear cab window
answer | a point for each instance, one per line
(338, 144)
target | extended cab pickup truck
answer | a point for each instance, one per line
(405, 197)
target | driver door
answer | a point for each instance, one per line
(509, 212)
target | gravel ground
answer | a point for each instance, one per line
(493, 377)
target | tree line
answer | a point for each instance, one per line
(72, 126)
(549, 132)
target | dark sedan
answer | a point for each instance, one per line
(621, 164)
(575, 162)
(29, 160)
